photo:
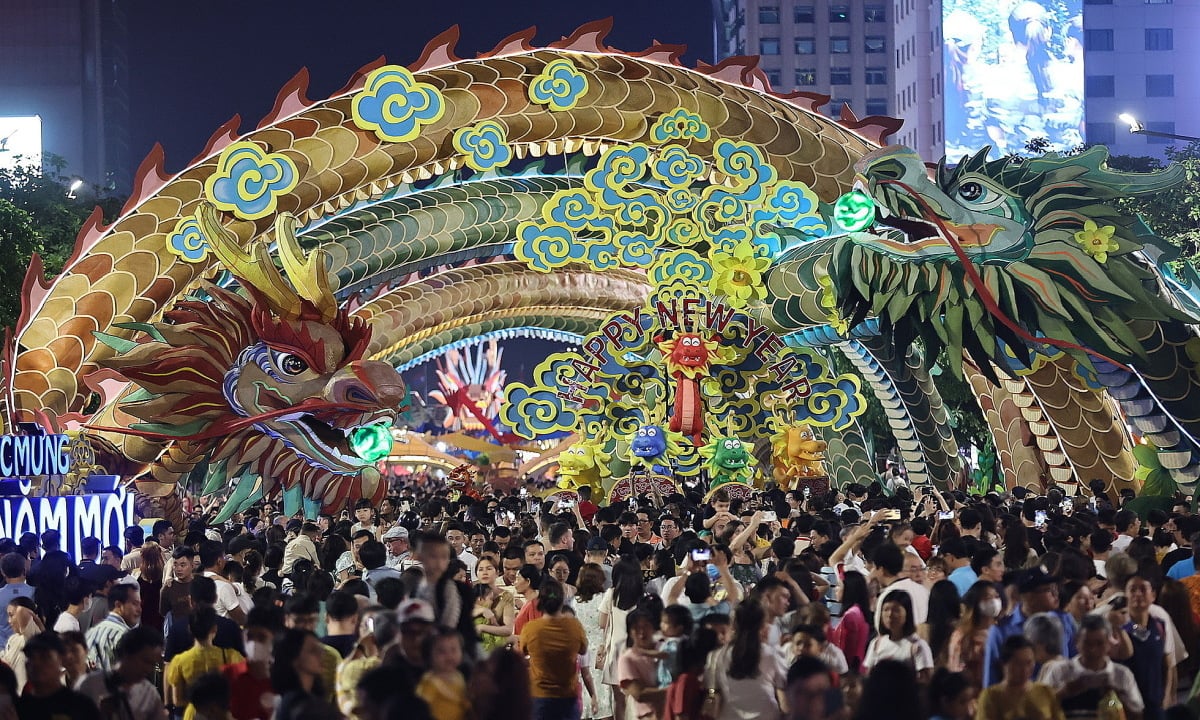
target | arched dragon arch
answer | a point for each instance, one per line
(411, 188)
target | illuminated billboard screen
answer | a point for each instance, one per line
(20, 141)
(1013, 72)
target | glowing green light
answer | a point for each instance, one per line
(854, 211)
(371, 442)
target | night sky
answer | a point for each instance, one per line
(193, 65)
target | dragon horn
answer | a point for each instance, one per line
(308, 274)
(256, 272)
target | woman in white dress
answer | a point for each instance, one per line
(623, 597)
(589, 594)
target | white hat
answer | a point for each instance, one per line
(411, 610)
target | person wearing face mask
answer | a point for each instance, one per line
(981, 606)
(252, 697)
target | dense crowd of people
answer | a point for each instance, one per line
(875, 601)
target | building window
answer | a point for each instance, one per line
(1097, 40)
(875, 13)
(1101, 133)
(1160, 86)
(806, 77)
(840, 76)
(1100, 86)
(836, 105)
(839, 45)
(768, 46)
(804, 14)
(1167, 128)
(806, 46)
(775, 77)
(875, 44)
(876, 76)
(877, 106)
(839, 13)
(1160, 39)
(768, 14)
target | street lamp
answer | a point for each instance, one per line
(1137, 128)
(75, 185)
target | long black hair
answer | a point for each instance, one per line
(628, 585)
(746, 650)
(856, 592)
(944, 611)
(284, 678)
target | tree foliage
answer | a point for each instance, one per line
(37, 216)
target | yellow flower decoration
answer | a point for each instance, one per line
(1097, 241)
(738, 275)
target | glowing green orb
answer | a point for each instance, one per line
(854, 211)
(371, 442)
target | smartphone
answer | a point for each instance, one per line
(512, 517)
(892, 515)
(633, 504)
(701, 555)
(770, 516)
(1067, 505)
(1039, 518)
(565, 504)
(948, 515)
(524, 492)
(807, 491)
(405, 506)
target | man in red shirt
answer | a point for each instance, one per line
(250, 691)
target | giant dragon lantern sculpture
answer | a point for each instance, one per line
(200, 347)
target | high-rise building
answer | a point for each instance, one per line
(841, 48)
(65, 61)
(968, 73)
(1138, 59)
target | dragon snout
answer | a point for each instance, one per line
(368, 382)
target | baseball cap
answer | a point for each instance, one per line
(293, 525)
(395, 532)
(1034, 579)
(414, 611)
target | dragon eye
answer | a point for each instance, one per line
(979, 195)
(289, 363)
(652, 432)
(970, 191)
(642, 432)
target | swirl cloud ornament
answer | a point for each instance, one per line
(249, 181)
(485, 145)
(559, 86)
(680, 124)
(396, 106)
(187, 241)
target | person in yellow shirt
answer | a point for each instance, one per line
(443, 687)
(202, 658)
(1015, 697)
(553, 642)
(300, 613)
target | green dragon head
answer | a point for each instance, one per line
(727, 460)
(1045, 247)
